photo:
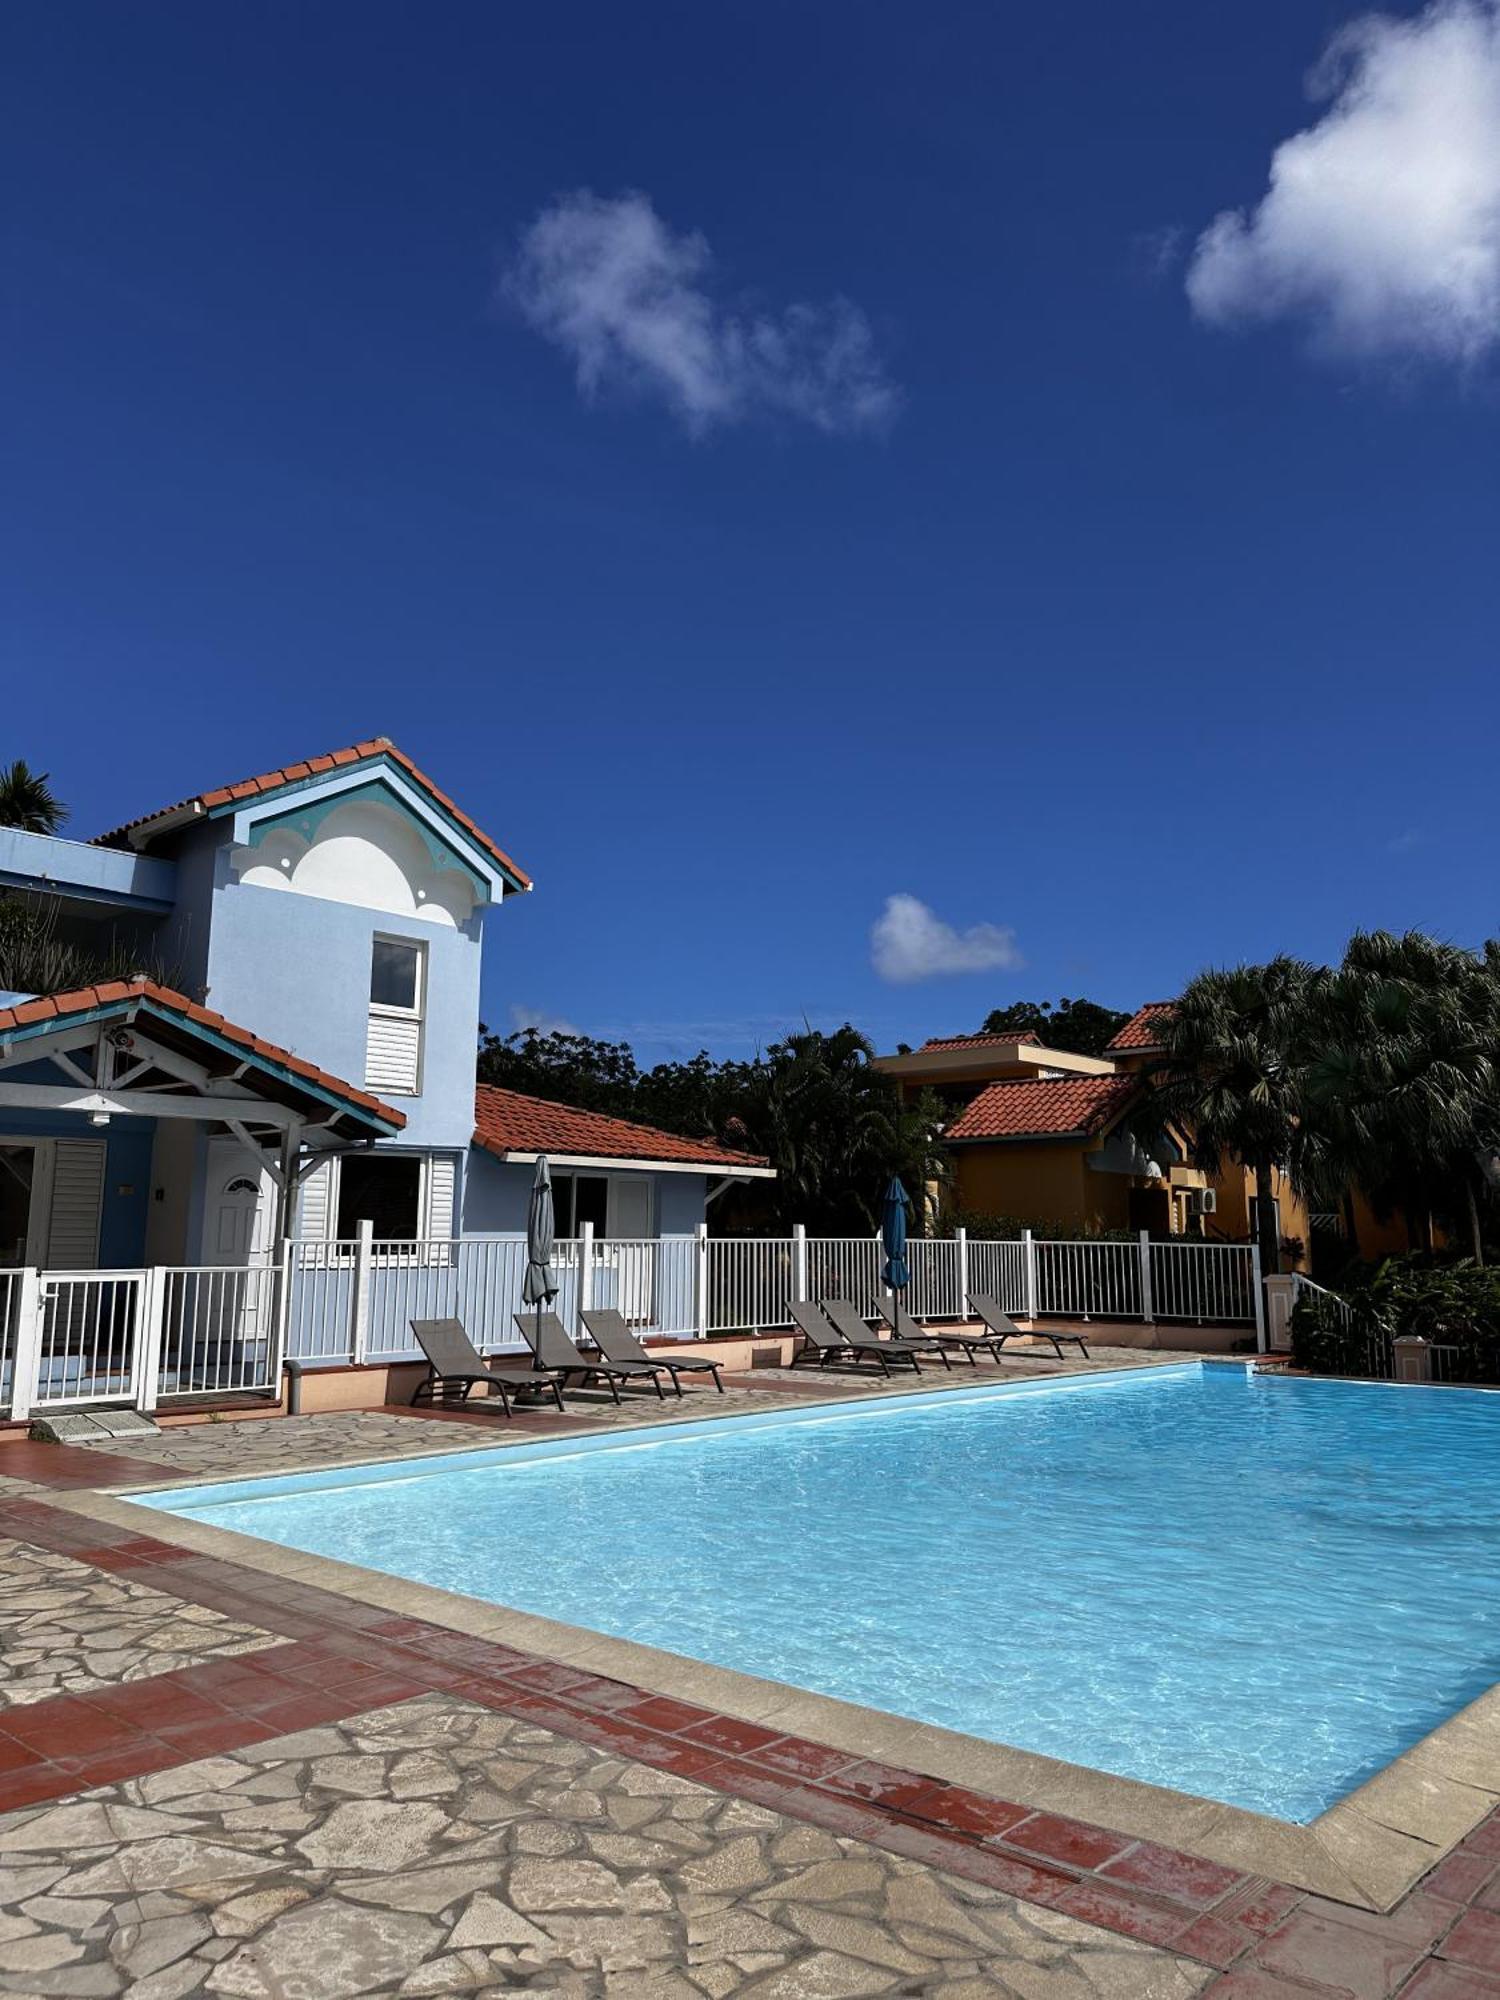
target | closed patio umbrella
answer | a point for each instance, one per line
(539, 1286)
(895, 1270)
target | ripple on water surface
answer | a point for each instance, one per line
(1256, 1590)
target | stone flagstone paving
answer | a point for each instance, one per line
(66, 1627)
(437, 1847)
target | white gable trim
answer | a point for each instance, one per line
(271, 805)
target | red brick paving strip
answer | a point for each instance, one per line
(342, 1658)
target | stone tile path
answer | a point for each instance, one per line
(436, 1847)
(66, 1627)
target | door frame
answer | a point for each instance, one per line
(39, 1215)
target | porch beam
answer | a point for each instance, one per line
(146, 1104)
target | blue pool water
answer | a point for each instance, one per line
(1256, 1590)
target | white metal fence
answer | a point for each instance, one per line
(147, 1336)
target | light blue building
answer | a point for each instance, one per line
(299, 1059)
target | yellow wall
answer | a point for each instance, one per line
(1040, 1183)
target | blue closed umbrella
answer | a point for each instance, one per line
(895, 1270)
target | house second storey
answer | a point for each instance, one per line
(333, 913)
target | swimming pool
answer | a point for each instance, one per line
(1256, 1590)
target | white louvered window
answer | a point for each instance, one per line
(398, 995)
(77, 1199)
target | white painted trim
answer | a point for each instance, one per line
(709, 1169)
(148, 1104)
(350, 778)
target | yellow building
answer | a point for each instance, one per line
(1050, 1138)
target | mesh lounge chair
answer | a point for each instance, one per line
(454, 1365)
(847, 1321)
(1004, 1327)
(548, 1340)
(823, 1339)
(959, 1339)
(615, 1341)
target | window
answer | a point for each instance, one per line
(580, 1198)
(393, 1043)
(396, 975)
(384, 1190)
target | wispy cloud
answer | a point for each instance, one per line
(1405, 842)
(523, 1017)
(910, 941)
(1381, 225)
(631, 302)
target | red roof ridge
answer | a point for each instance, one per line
(1043, 1107)
(111, 992)
(1136, 1033)
(316, 767)
(1023, 1035)
(512, 1121)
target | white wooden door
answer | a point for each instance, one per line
(236, 1231)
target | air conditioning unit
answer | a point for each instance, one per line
(1202, 1201)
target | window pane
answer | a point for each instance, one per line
(387, 1192)
(393, 974)
(562, 1205)
(591, 1202)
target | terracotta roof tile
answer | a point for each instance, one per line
(1144, 1028)
(1044, 1108)
(979, 1041)
(123, 992)
(275, 781)
(507, 1121)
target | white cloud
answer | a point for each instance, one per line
(1381, 225)
(909, 941)
(522, 1017)
(629, 300)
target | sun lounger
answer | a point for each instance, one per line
(455, 1366)
(614, 1340)
(843, 1317)
(962, 1340)
(548, 1340)
(1004, 1327)
(824, 1339)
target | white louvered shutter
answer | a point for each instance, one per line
(77, 1198)
(315, 1203)
(393, 1055)
(442, 1176)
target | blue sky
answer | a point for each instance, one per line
(898, 497)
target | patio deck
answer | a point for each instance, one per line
(258, 1812)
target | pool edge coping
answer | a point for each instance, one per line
(1367, 1850)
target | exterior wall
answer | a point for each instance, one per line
(495, 1195)
(1040, 1183)
(296, 969)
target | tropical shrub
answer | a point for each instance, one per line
(1455, 1306)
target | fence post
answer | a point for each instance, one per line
(700, 1282)
(585, 1269)
(282, 1321)
(799, 1260)
(1028, 1252)
(961, 1238)
(1148, 1302)
(149, 1331)
(28, 1347)
(359, 1292)
(1258, 1288)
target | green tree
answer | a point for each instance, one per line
(567, 1068)
(1229, 1079)
(27, 801)
(1399, 1080)
(1084, 1026)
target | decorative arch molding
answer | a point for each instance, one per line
(361, 847)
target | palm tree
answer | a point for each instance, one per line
(1400, 1079)
(26, 800)
(836, 1130)
(1228, 1081)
